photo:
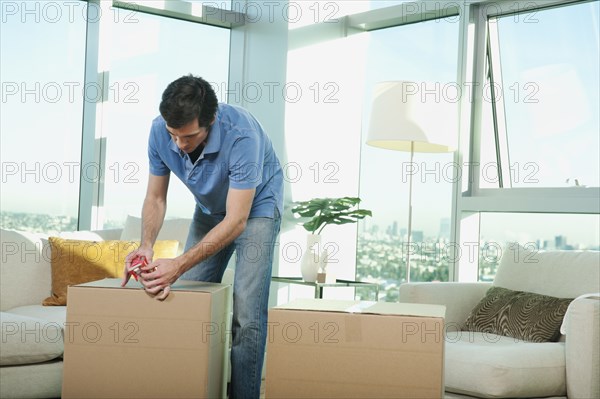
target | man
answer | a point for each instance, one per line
(224, 157)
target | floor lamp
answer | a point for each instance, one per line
(412, 117)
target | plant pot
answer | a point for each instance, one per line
(311, 259)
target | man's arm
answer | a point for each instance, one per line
(167, 271)
(239, 203)
(153, 214)
(154, 209)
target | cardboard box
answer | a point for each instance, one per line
(122, 343)
(320, 348)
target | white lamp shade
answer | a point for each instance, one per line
(403, 112)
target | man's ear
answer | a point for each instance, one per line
(213, 120)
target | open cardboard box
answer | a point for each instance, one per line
(122, 343)
(352, 349)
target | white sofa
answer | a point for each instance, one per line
(32, 334)
(493, 366)
(32, 344)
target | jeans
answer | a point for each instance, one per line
(254, 259)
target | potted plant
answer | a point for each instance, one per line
(323, 212)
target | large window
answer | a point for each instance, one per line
(533, 136)
(393, 54)
(142, 55)
(545, 70)
(330, 83)
(46, 101)
(43, 93)
(323, 95)
(530, 125)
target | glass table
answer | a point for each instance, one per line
(319, 286)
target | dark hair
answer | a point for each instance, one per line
(187, 99)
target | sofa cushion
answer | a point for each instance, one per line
(492, 366)
(39, 380)
(27, 340)
(79, 261)
(172, 229)
(554, 273)
(25, 269)
(53, 314)
(522, 315)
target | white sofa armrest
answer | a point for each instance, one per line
(459, 298)
(24, 269)
(582, 348)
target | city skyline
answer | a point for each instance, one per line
(46, 223)
(542, 238)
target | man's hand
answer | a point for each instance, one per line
(148, 253)
(158, 276)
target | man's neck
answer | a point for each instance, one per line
(194, 155)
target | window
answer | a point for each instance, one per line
(143, 54)
(533, 132)
(394, 54)
(323, 100)
(545, 70)
(43, 93)
(326, 156)
(535, 232)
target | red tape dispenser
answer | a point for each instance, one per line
(136, 265)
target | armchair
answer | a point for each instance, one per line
(486, 365)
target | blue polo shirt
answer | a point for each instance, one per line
(238, 154)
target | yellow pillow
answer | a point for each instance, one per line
(77, 261)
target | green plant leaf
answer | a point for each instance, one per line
(324, 211)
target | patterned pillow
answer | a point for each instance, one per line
(518, 314)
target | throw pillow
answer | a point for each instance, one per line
(522, 315)
(78, 261)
